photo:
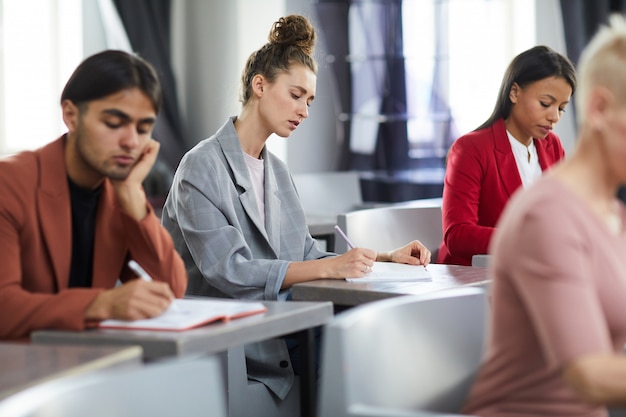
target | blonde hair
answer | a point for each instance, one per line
(603, 62)
(291, 42)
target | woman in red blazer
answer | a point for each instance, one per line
(511, 149)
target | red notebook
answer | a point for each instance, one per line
(184, 314)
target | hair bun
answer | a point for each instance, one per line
(293, 30)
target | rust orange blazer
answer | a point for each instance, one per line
(36, 247)
(481, 176)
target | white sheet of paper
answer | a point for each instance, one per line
(390, 271)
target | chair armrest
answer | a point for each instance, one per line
(481, 260)
(361, 410)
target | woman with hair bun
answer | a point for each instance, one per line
(234, 212)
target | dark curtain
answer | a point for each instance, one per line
(393, 140)
(147, 24)
(384, 61)
(581, 20)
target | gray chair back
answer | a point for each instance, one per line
(329, 193)
(389, 227)
(406, 355)
(481, 260)
(191, 388)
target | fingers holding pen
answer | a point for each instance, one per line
(355, 263)
(136, 299)
(360, 260)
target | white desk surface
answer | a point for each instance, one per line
(23, 365)
(280, 319)
(343, 293)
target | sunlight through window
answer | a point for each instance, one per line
(40, 45)
(456, 54)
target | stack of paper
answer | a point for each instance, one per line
(186, 314)
(390, 271)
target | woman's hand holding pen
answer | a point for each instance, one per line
(356, 263)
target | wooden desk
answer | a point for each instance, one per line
(343, 293)
(25, 365)
(282, 318)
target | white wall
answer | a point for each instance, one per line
(205, 55)
(313, 147)
(93, 32)
(212, 41)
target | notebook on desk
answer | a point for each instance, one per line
(390, 271)
(184, 314)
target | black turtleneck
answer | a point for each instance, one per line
(84, 210)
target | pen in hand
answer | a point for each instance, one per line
(137, 269)
(344, 236)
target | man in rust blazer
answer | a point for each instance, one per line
(73, 213)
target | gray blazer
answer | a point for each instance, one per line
(212, 215)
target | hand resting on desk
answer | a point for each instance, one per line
(413, 253)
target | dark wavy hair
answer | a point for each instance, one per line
(108, 72)
(531, 65)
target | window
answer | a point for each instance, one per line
(456, 52)
(40, 45)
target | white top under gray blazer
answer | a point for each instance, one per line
(213, 218)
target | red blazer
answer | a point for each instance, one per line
(36, 246)
(481, 176)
